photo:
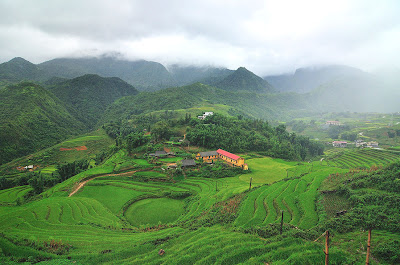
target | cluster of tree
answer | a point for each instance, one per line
(393, 133)
(236, 135)
(298, 126)
(335, 131)
(40, 181)
(68, 170)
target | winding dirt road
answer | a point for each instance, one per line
(83, 183)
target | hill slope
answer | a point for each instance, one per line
(88, 96)
(19, 69)
(244, 80)
(266, 106)
(32, 118)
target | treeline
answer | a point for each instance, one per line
(243, 135)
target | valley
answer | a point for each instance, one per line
(97, 169)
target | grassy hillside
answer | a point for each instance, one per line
(267, 106)
(32, 118)
(88, 96)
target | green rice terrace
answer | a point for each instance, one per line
(363, 158)
(130, 209)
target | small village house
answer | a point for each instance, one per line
(372, 144)
(208, 157)
(188, 163)
(339, 144)
(205, 115)
(336, 123)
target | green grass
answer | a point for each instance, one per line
(48, 170)
(151, 174)
(141, 162)
(154, 211)
(171, 159)
(267, 170)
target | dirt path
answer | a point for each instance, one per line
(83, 183)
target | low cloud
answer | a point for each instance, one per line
(267, 37)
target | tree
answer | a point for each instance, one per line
(161, 131)
(37, 182)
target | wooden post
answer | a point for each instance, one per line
(368, 247)
(216, 186)
(327, 247)
(250, 182)
(281, 222)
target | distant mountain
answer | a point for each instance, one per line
(306, 79)
(186, 75)
(19, 69)
(32, 118)
(244, 80)
(87, 97)
(144, 75)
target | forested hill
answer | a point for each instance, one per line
(19, 69)
(88, 96)
(244, 80)
(266, 106)
(32, 118)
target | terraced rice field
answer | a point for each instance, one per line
(296, 198)
(12, 195)
(154, 211)
(363, 158)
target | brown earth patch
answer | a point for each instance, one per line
(167, 149)
(78, 148)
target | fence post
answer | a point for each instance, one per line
(281, 222)
(368, 247)
(327, 247)
(250, 182)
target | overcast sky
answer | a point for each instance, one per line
(267, 37)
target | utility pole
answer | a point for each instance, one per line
(250, 182)
(368, 247)
(326, 248)
(281, 222)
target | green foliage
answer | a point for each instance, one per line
(375, 197)
(388, 251)
(251, 135)
(32, 118)
(88, 96)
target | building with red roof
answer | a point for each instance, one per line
(231, 159)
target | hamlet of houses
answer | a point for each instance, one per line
(229, 158)
(358, 143)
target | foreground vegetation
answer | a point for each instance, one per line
(111, 202)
